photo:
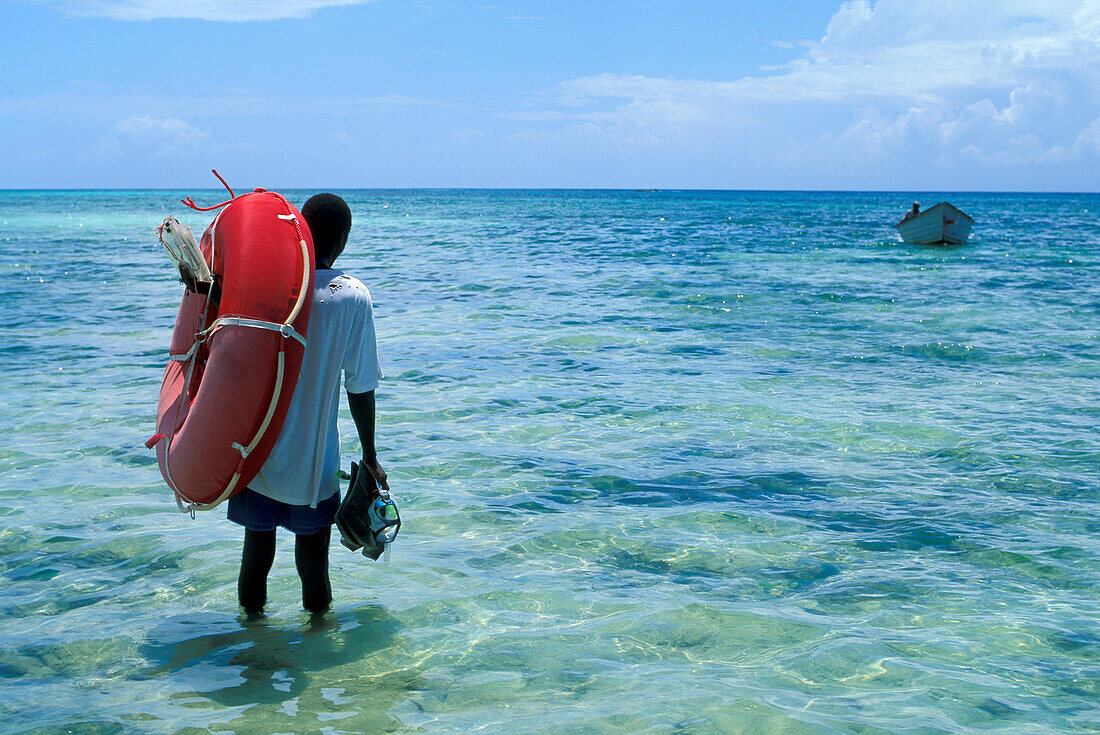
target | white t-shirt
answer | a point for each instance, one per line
(302, 466)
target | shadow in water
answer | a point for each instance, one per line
(238, 661)
(683, 488)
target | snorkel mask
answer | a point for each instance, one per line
(367, 517)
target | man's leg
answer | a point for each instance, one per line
(311, 558)
(256, 560)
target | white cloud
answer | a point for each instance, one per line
(1029, 108)
(160, 137)
(213, 10)
(1089, 137)
(1004, 83)
(913, 51)
(875, 133)
(1038, 126)
(342, 138)
(220, 103)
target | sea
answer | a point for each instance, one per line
(667, 462)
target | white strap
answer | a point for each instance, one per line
(187, 355)
(239, 321)
(190, 507)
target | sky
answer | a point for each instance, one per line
(898, 95)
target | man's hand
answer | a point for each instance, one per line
(376, 470)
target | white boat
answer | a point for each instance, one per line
(941, 224)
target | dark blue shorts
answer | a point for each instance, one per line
(260, 513)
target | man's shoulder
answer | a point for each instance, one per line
(341, 286)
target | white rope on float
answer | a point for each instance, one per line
(241, 321)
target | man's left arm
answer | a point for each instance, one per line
(362, 407)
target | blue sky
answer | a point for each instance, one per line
(772, 94)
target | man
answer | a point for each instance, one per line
(912, 212)
(297, 486)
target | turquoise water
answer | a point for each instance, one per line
(669, 462)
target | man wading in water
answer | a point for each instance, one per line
(297, 486)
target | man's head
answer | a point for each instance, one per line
(329, 220)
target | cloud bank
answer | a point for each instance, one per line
(1004, 84)
(894, 94)
(212, 10)
(148, 136)
(894, 51)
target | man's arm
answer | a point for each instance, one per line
(362, 412)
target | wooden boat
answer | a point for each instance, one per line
(943, 224)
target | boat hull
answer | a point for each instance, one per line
(943, 224)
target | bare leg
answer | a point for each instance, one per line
(311, 558)
(256, 560)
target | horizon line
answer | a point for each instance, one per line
(558, 189)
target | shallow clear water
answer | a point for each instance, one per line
(668, 463)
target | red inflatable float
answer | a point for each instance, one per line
(236, 351)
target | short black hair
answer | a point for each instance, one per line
(329, 220)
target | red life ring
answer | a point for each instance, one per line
(236, 355)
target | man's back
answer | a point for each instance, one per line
(301, 469)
